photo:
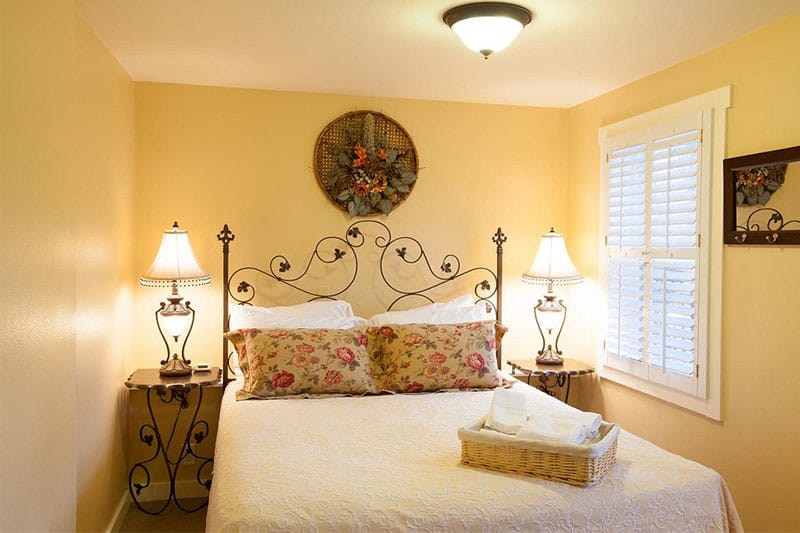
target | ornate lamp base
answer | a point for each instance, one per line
(175, 367)
(549, 357)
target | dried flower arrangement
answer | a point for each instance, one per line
(756, 185)
(366, 163)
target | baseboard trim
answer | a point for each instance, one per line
(159, 491)
(120, 513)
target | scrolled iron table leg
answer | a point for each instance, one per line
(544, 386)
(151, 434)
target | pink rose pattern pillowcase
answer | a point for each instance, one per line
(430, 357)
(282, 362)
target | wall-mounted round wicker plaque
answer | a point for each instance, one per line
(366, 163)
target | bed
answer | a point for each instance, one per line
(391, 462)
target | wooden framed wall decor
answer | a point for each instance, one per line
(762, 198)
(366, 163)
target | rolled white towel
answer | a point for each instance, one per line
(509, 411)
(591, 421)
(553, 429)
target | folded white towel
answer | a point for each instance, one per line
(488, 431)
(509, 411)
(553, 429)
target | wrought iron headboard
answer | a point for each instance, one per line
(331, 249)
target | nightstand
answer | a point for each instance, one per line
(561, 374)
(170, 438)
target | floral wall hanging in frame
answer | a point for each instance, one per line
(365, 163)
(750, 182)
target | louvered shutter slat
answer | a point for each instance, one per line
(675, 182)
(679, 218)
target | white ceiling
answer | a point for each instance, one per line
(573, 50)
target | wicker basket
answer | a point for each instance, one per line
(581, 465)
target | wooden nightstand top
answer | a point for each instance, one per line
(561, 374)
(146, 378)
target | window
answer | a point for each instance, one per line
(660, 263)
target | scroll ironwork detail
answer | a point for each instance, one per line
(775, 224)
(172, 456)
(333, 249)
(344, 250)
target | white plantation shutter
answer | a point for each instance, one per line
(652, 286)
(660, 263)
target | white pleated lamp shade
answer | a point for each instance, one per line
(552, 263)
(175, 262)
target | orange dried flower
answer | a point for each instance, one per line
(382, 154)
(379, 182)
(360, 188)
(361, 156)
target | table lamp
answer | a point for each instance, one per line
(175, 265)
(552, 266)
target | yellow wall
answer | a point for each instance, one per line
(208, 156)
(67, 221)
(755, 446)
(104, 278)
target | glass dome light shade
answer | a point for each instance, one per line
(487, 27)
(176, 322)
(550, 315)
(487, 34)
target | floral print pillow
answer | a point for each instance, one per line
(282, 362)
(430, 357)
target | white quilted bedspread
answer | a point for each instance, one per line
(391, 463)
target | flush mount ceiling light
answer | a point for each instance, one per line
(487, 27)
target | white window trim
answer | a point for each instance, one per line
(715, 125)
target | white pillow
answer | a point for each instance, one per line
(458, 302)
(427, 315)
(462, 301)
(306, 322)
(250, 317)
